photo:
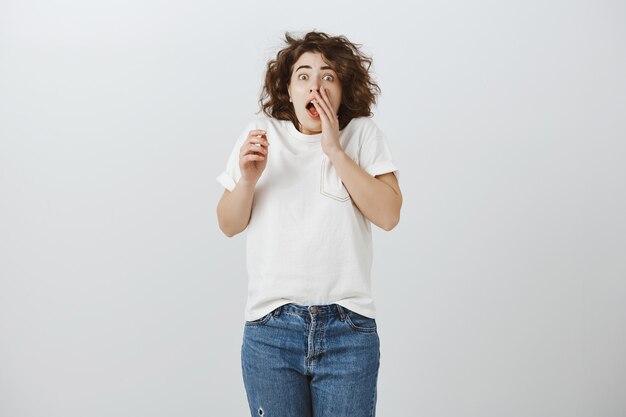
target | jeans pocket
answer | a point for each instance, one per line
(261, 321)
(330, 183)
(359, 322)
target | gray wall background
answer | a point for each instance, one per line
(500, 293)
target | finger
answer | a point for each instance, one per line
(255, 143)
(321, 109)
(257, 140)
(252, 148)
(257, 151)
(256, 148)
(253, 157)
(326, 100)
(257, 132)
(325, 104)
(329, 103)
(324, 94)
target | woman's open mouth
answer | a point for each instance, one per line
(312, 111)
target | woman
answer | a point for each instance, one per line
(306, 179)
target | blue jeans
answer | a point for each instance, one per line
(311, 361)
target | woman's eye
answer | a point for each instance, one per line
(326, 77)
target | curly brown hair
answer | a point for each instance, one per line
(359, 90)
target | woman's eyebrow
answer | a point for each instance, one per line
(308, 66)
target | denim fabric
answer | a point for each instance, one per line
(311, 361)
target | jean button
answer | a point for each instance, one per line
(313, 310)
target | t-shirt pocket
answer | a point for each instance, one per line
(331, 185)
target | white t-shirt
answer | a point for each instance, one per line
(307, 242)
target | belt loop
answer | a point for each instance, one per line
(277, 311)
(342, 313)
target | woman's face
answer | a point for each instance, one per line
(311, 73)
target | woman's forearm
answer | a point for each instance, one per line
(234, 208)
(378, 202)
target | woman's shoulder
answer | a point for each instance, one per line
(262, 121)
(363, 126)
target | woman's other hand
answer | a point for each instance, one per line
(253, 156)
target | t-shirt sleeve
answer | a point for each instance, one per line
(232, 173)
(375, 156)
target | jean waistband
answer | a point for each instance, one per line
(313, 310)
